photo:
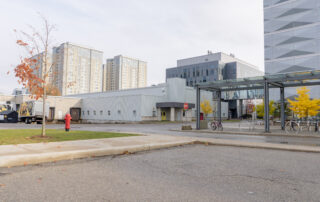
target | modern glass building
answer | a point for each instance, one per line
(211, 67)
(292, 38)
(214, 67)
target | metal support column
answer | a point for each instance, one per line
(282, 109)
(266, 107)
(240, 108)
(219, 106)
(198, 108)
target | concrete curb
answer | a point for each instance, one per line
(19, 160)
(248, 133)
(232, 143)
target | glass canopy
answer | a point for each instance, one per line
(305, 78)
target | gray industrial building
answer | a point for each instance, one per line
(161, 102)
(292, 39)
(214, 67)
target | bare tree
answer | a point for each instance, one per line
(37, 45)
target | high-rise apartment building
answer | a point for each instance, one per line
(123, 72)
(39, 67)
(292, 39)
(77, 69)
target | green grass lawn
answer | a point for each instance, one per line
(25, 136)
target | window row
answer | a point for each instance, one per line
(101, 112)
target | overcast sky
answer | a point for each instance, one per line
(156, 31)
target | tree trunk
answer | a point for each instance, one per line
(43, 133)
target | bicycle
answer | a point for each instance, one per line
(216, 125)
(300, 126)
(292, 126)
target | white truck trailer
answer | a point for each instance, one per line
(32, 111)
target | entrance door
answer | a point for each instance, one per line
(163, 116)
(51, 114)
(75, 114)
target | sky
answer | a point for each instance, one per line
(156, 31)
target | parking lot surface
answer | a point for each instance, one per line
(189, 173)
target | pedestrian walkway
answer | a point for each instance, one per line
(23, 154)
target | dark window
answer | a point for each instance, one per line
(109, 113)
(101, 112)
(207, 72)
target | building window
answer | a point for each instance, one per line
(134, 112)
(207, 72)
(94, 112)
(88, 112)
(83, 113)
(119, 112)
(109, 113)
(101, 112)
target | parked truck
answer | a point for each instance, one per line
(31, 111)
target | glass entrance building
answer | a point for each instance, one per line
(292, 38)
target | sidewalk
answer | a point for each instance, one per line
(24, 154)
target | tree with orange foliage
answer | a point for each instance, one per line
(37, 46)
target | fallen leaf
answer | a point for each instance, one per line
(2, 185)
(125, 152)
(25, 163)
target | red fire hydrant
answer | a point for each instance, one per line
(67, 119)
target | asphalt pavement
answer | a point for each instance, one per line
(188, 173)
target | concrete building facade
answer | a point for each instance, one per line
(77, 69)
(122, 72)
(156, 103)
(292, 40)
(164, 102)
(40, 69)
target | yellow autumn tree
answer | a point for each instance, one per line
(260, 108)
(206, 107)
(303, 106)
